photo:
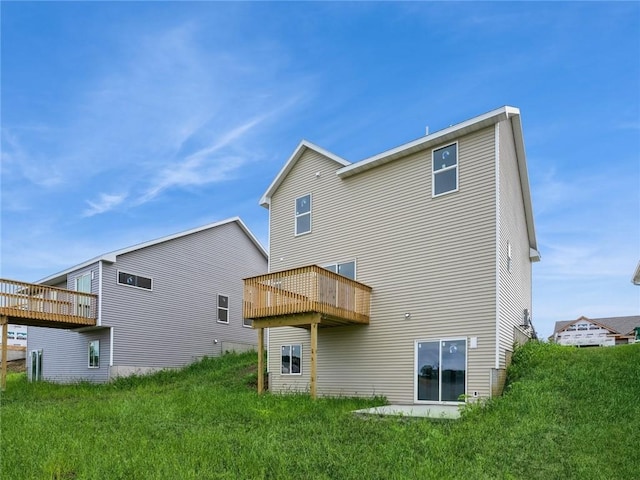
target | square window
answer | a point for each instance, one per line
(303, 214)
(223, 309)
(445, 170)
(94, 354)
(291, 360)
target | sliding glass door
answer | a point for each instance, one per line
(441, 367)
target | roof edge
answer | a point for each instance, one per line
(304, 145)
(111, 257)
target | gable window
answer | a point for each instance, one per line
(223, 309)
(291, 360)
(134, 280)
(445, 170)
(303, 214)
(94, 354)
(346, 269)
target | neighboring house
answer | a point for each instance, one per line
(160, 304)
(636, 275)
(427, 251)
(596, 332)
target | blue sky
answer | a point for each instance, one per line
(123, 122)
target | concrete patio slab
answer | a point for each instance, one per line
(428, 411)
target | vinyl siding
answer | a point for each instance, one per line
(515, 286)
(431, 257)
(175, 323)
(65, 354)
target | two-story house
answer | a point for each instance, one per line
(406, 274)
(160, 304)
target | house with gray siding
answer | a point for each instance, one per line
(160, 304)
(406, 274)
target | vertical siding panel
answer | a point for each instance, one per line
(431, 257)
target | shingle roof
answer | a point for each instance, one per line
(620, 325)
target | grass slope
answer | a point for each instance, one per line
(567, 413)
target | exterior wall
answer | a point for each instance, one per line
(175, 323)
(65, 354)
(431, 257)
(514, 285)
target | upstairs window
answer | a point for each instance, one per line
(303, 214)
(223, 309)
(445, 170)
(134, 280)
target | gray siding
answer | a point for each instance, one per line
(65, 354)
(515, 285)
(431, 257)
(175, 323)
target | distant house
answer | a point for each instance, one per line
(636, 275)
(596, 332)
(162, 303)
(406, 274)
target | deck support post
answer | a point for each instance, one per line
(314, 354)
(260, 360)
(5, 329)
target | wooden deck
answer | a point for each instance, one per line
(294, 297)
(307, 297)
(43, 306)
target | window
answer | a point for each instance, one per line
(134, 280)
(94, 354)
(445, 170)
(509, 257)
(247, 322)
(303, 214)
(291, 360)
(223, 309)
(346, 269)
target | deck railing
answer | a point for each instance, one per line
(304, 290)
(20, 300)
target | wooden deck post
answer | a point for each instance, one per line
(314, 354)
(5, 329)
(260, 360)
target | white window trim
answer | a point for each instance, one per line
(456, 166)
(118, 272)
(245, 325)
(296, 216)
(89, 354)
(290, 345)
(415, 369)
(227, 308)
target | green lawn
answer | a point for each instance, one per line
(567, 413)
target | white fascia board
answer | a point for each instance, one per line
(636, 275)
(265, 200)
(441, 136)
(111, 256)
(518, 138)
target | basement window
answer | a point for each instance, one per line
(94, 354)
(291, 360)
(223, 309)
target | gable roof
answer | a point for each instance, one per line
(619, 325)
(110, 257)
(302, 147)
(348, 169)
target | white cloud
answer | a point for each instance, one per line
(104, 203)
